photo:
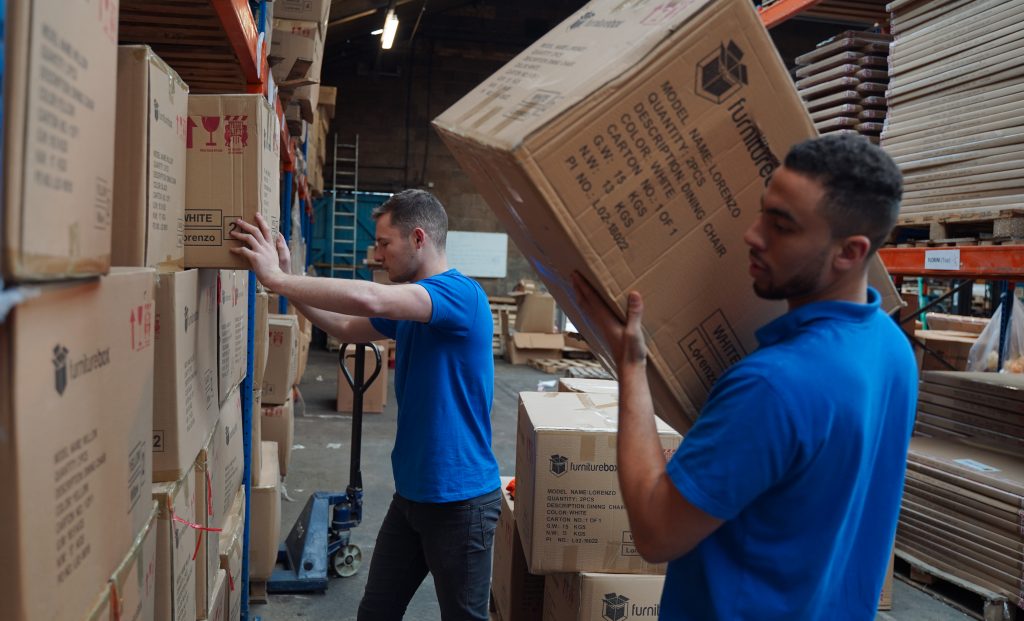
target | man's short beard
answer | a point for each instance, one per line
(800, 285)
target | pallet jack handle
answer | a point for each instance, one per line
(359, 387)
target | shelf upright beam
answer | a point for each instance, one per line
(780, 11)
(286, 222)
(248, 418)
(238, 22)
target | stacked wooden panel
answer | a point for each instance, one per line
(843, 82)
(963, 503)
(957, 86)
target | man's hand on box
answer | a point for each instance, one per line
(284, 256)
(625, 338)
(259, 248)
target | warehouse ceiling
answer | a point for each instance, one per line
(501, 24)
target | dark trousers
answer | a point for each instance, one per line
(452, 541)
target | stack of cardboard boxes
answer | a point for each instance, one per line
(148, 354)
(318, 136)
(532, 334)
(297, 51)
(563, 547)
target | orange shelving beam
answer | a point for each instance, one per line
(985, 262)
(243, 34)
(780, 11)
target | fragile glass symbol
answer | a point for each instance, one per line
(210, 124)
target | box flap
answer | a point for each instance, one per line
(587, 412)
(537, 340)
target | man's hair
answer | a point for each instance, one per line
(417, 208)
(863, 185)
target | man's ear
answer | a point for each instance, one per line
(419, 237)
(853, 253)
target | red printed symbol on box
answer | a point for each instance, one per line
(141, 323)
(277, 338)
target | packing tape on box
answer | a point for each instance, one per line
(200, 529)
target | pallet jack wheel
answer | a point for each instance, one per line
(347, 560)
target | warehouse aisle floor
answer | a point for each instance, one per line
(322, 464)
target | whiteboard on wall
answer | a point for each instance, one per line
(478, 255)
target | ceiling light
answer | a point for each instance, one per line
(377, 32)
(387, 38)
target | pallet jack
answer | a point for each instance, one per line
(319, 539)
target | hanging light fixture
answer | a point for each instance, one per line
(387, 38)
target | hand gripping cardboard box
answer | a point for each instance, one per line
(175, 575)
(569, 510)
(517, 594)
(234, 158)
(633, 143)
(265, 518)
(602, 597)
(76, 410)
(130, 593)
(282, 359)
(184, 389)
(231, 551)
(58, 162)
(277, 424)
(149, 164)
(233, 329)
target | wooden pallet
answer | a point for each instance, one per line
(986, 228)
(976, 601)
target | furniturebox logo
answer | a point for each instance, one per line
(721, 73)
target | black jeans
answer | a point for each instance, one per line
(452, 541)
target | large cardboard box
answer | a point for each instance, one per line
(184, 388)
(76, 411)
(261, 335)
(600, 597)
(130, 593)
(233, 329)
(277, 424)
(535, 312)
(257, 438)
(580, 384)
(282, 359)
(265, 520)
(58, 154)
(952, 346)
(632, 143)
(234, 159)
(218, 608)
(522, 347)
(375, 399)
(569, 510)
(175, 575)
(231, 551)
(149, 165)
(305, 10)
(517, 594)
(305, 340)
(296, 50)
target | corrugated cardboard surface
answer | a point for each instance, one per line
(184, 397)
(59, 164)
(535, 312)
(282, 359)
(228, 468)
(569, 509)
(376, 396)
(953, 347)
(294, 42)
(233, 329)
(265, 521)
(231, 551)
(233, 172)
(261, 335)
(176, 541)
(306, 10)
(131, 590)
(149, 195)
(633, 143)
(576, 384)
(75, 453)
(219, 597)
(257, 438)
(599, 597)
(523, 347)
(277, 424)
(518, 595)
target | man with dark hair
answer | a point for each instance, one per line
(783, 498)
(447, 501)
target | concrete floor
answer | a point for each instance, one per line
(320, 462)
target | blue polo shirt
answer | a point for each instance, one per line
(801, 448)
(444, 382)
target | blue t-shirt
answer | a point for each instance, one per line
(444, 381)
(801, 448)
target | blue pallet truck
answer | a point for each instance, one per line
(319, 541)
